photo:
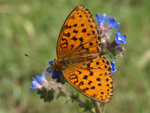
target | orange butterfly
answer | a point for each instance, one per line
(78, 59)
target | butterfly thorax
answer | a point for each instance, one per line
(62, 63)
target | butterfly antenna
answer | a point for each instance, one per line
(35, 59)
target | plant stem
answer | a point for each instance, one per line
(96, 106)
(102, 107)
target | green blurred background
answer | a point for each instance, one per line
(33, 26)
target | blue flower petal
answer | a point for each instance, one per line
(101, 19)
(118, 33)
(113, 69)
(35, 85)
(50, 62)
(112, 23)
(120, 39)
(48, 70)
(55, 74)
(41, 78)
(32, 88)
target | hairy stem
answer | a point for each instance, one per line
(96, 106)
(102, 107)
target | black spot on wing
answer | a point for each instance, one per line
(67, 34)
(84, 30)
(74, 38)
(75, 31)
(81, 39)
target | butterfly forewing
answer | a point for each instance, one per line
(79, 28)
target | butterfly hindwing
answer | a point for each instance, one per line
(92, 78)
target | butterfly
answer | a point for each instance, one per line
(78, 56)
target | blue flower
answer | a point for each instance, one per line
(41, 78)
(113, 69)
(55, 74)
(120, 39)
(35, 85)
(112, 23)
(48, 69)
(101, 19)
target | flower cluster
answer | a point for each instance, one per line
(114, 48)
(47, 90)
